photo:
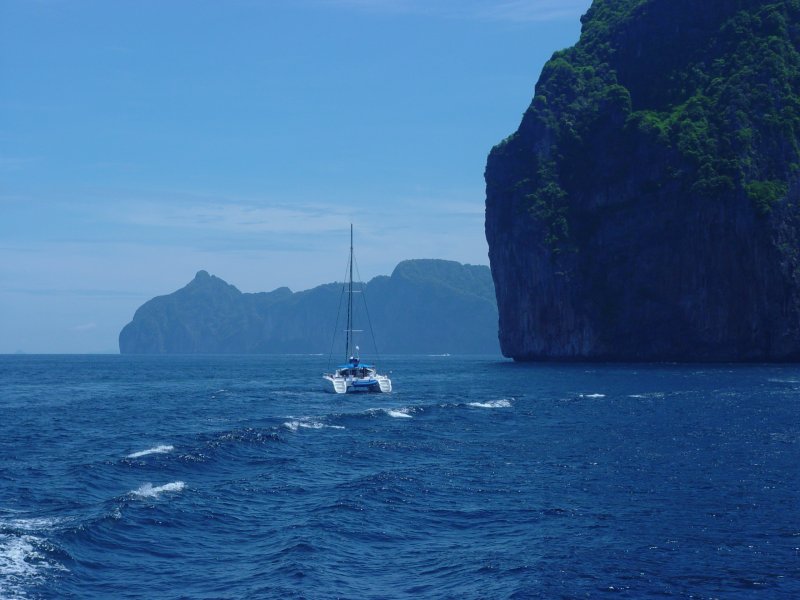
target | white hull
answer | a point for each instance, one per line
(378, 384)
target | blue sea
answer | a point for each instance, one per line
(237, 477)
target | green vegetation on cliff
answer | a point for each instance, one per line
(721, 110)
(648, 206)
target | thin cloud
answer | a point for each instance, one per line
(485, 10)
(239, 224)
(234, 217)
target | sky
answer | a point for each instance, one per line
(144, 140)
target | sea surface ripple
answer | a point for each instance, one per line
(236, 477)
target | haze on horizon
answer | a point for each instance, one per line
(142, 142)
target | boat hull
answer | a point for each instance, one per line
(340, 385)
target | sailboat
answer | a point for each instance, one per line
(354, 376)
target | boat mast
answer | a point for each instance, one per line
(349, 301)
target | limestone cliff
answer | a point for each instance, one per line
(647, 206)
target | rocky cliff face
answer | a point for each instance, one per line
(647, 207)
(426, 306)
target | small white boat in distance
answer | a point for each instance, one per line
(354, 376)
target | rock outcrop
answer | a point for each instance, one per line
(647, 207)
(426, 306)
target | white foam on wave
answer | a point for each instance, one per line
(400, 413)
(32, 524)
(20, 564)
(18, 558)
(147, 490)
(395, 413)
(493, 404)
(592, 395)
(308, 424)
(163, 449)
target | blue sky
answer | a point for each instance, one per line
(142, 141)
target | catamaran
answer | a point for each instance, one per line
(354, 376)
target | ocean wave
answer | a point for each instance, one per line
(18, 561)
(163, 449)
(593, 396)
(493, 404)
(247, 435)
(212, 445)
(308, 424)
(147, 490)
(395, 413)
(399, 413)
(21, 563)
(35, 524)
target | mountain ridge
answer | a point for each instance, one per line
(425, 306)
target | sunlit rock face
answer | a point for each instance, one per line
(647, 207)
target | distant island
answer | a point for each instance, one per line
(424, 307)
(648, 207)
